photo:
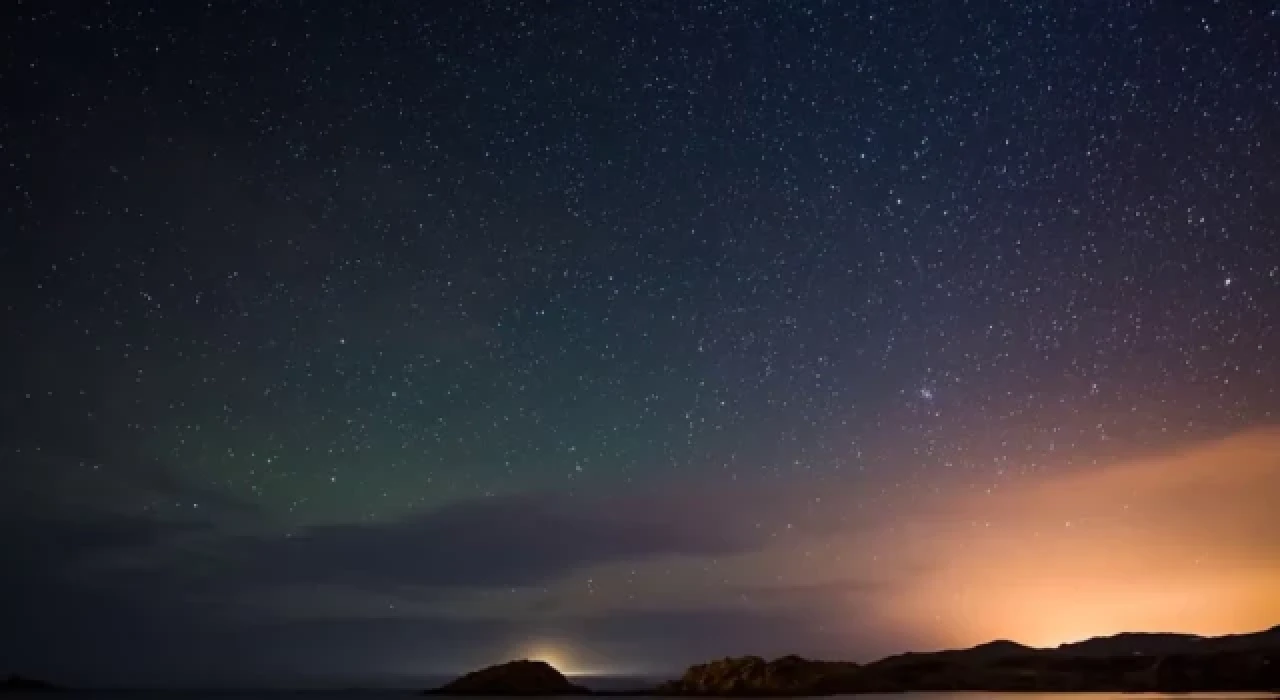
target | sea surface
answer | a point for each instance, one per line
(391, 694)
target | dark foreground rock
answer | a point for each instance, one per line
(753, 676)
(19, 684)
(513, 678)
(1166, 663)
(1058, 672)
(1125, 663)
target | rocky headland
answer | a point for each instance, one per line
(513, 678)
(1122, 663)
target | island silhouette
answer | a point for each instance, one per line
(1128, 662)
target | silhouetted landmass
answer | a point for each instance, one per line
(16, 683)
(512, 678)
(752, 675)
(1127, 662)
(1123, 663)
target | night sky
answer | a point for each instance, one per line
(407, 337)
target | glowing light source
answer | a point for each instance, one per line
(553, 657)
(558, 655)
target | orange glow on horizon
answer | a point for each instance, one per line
(560, 656)
(1187, 542)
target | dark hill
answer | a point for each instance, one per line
(1152, 644)
(512, 678)
(1134, 643)
(752, 675)
(990, 651)
(1121, 663)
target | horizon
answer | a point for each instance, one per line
(614, 680)
(367, 341)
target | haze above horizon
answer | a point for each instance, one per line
(376, 340)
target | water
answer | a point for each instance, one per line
(402, 694)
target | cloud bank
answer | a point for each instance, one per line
(648, 579)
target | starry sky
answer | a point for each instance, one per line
(379, 340)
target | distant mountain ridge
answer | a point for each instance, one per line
(523, 677)
(1170, 643)
(1120, 644)
(1126, 662)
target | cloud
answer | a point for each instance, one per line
(84, 475)
(517, 540)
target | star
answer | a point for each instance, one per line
(768, 270)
